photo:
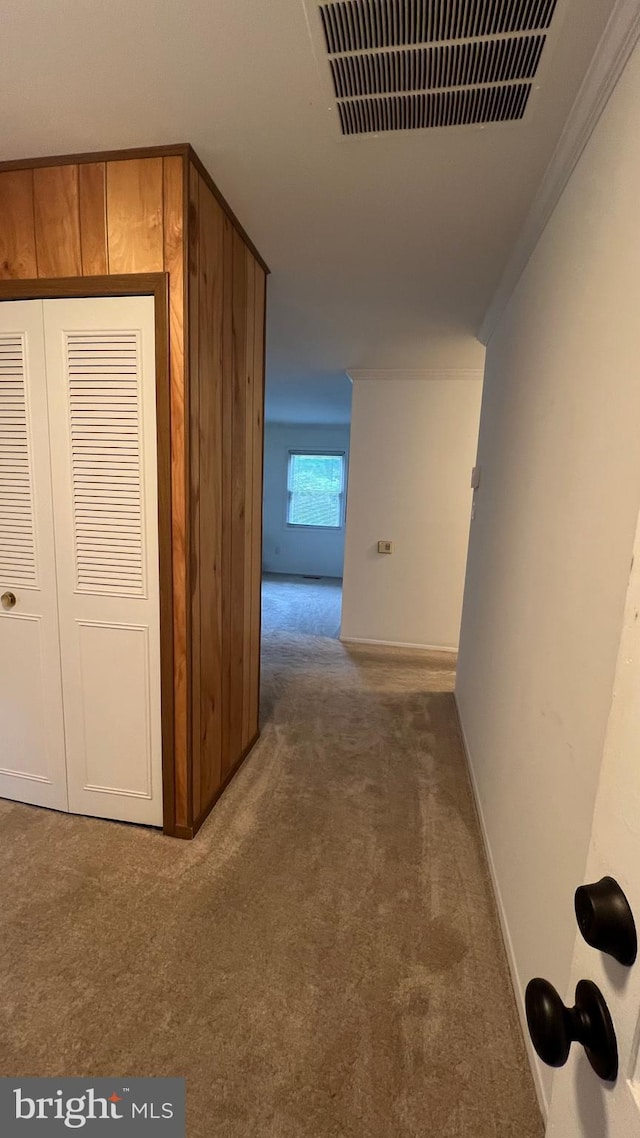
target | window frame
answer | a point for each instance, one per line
(313, 452)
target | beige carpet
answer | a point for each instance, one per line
(301, 604)
(323, 961)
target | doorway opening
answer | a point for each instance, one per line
(305, 489)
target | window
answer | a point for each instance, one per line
(315, 488)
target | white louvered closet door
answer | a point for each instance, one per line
(100, 356)
(32, 752)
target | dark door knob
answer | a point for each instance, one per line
(606, 921)
(553, 1027)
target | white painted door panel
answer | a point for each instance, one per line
(32, 745)
(582, 1106)
(101, 389)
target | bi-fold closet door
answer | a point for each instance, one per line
(80, 725)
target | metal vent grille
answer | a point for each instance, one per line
(423, 69)
(103, 371)
(413, 64)
(446, 108)
(357, 25)
(17, 543)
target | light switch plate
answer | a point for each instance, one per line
(385, 547)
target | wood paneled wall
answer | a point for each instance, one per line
(88, 219)
(226, 331)
(158, 211)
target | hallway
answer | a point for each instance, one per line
(323, 959)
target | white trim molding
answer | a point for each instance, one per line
(414, 373)
(612, 54)
(517, 984)
(402, 644)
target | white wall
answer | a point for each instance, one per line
(286, 549)
(413, 444)
(551, 542)
(581, 1106)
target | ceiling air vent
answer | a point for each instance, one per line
(413, 64)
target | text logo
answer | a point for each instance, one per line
(124, 1107)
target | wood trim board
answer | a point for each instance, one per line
(181, 148)
(191, 831)
(206, 176)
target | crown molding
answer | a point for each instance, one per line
(612, 54)
(414, 373)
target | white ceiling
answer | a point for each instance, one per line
(385, 252)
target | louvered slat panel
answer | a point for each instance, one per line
(442, 108)
(424, 69)
(17, 541)
(359, 25)
(414, 64)
(103, 371)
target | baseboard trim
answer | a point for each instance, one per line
(516, 982)
(395, 374)
(266, 572)
(400, 644)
